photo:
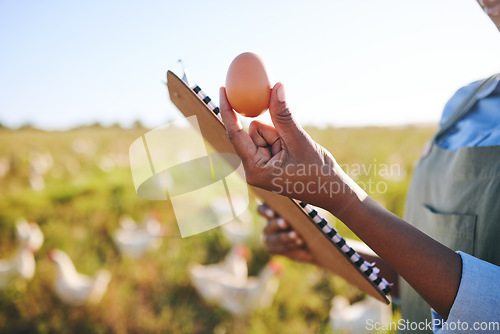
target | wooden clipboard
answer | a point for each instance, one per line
(323, 249)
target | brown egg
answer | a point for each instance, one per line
(247, 85)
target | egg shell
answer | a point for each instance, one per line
(247, 85)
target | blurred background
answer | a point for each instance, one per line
(80, 252)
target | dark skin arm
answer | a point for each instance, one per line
(432, 269)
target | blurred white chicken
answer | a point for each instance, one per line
(22, 265)
(228, 285)
(242, 299)
(35, 240)
(355, 318)
(40, 163)
(206, 278)
(84, 146)
(236, 230)
(74, 288)
(37, 182)
(134, 239)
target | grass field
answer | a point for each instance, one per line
(76, 184)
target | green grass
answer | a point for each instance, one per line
(79, 209)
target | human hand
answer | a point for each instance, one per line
(283, 158)
(281, 239)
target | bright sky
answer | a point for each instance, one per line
(343, 62)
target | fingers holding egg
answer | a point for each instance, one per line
(263, 135)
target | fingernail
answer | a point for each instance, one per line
(299, 241)
(269, 213)
(292, 234)
(281, 222)
(281, 93)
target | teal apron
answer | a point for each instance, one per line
(454, 197)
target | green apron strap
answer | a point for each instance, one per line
(464, 107)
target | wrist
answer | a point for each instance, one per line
(348, 199)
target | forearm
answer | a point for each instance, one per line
(432, 269)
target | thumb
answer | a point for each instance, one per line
(281, 116)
